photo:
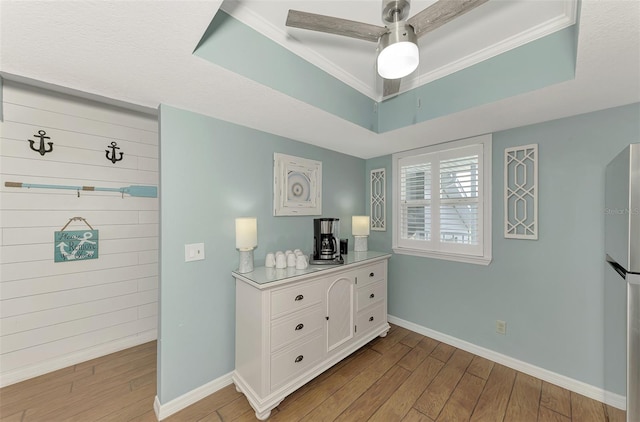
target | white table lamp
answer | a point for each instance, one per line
(360, 231)
(246, 241)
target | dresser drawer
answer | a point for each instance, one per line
(291, 363)
(370, 294)
(370, 318)
(291, 299)
(288, 329)
(371, 274)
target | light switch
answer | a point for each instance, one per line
(193, 252)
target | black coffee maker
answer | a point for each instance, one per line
(326, 241)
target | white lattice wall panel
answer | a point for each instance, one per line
(521, 192)
(378, 203)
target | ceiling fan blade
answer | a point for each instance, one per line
(440, 13)
(390, 87)
(337, 26)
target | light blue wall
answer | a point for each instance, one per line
(212, 172)
(549, 291)
(544, 62)
(239, 48)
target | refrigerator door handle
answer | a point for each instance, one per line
(619, 268)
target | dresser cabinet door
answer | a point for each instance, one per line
(370, 318)
(285, 301)
(290, 363)
(340, 325)
(371, 274)
(370, 294)
(287, 330)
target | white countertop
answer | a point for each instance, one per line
(263, 276)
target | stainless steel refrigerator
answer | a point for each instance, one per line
(622, 278)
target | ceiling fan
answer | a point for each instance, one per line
(398, 54)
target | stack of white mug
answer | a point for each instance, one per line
(286, 259)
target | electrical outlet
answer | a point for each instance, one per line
(501, 327)
(193, 252)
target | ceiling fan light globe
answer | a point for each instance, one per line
(398, 60)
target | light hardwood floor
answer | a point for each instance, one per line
(402, 377)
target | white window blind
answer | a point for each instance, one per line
(416, 201)
(459, 211)
(440, 201)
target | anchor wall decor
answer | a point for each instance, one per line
(76, 245)
(42, 149)
(113, 158)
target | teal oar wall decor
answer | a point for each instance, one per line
(133, 190)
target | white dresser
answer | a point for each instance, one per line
(291, 325)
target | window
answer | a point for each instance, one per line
(442, 201)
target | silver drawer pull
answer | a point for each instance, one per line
(299, 327)
(299, 358)
(370, 319)
(299, 297)
(371, 296)
(371, 274)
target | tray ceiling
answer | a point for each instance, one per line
(140, 52)
(487, 31)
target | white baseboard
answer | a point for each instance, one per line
(22, 374)
(570, 384)
(165, 410)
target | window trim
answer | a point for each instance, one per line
(485, 257)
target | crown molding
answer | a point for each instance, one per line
(539, 31)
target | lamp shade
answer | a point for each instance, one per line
(360, 225)
(246, 233)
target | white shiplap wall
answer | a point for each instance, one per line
(54, 315)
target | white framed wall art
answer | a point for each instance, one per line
(521, 192)
(297, 186)
(378, 200)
